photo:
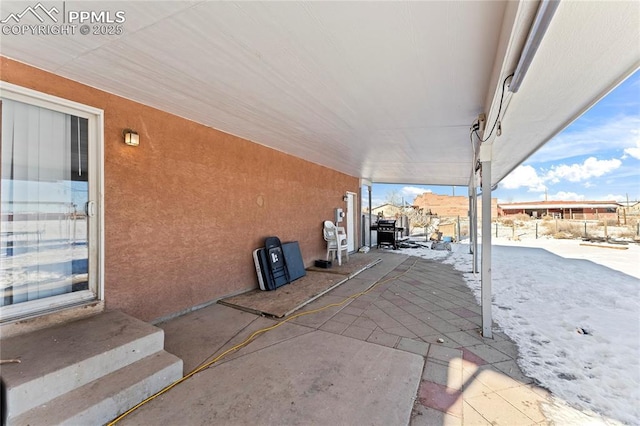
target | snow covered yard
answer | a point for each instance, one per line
(574, 312)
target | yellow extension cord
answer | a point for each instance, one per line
(206, 365)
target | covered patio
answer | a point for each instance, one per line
(203, 127)
(338, 95)
(407, 351)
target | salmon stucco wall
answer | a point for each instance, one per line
(451, 206)
(186, 208)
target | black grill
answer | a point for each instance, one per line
(387, 233)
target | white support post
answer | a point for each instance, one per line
(474, 226)
(470, 218)
(368, 184)
(485, 158)
(370, 217)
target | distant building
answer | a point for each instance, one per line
(451, 205)
(587, 210)
(390, 211)
(632, 208)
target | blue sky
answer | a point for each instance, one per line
(596, 158)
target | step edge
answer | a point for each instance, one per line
(114, 402)
(21, 397)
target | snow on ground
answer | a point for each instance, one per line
(574, 312)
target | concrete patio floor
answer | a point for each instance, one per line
(408, 352)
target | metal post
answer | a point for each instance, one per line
(475, 229)
(536, 230)
(369, 189)
(470, 222)
(485, 158)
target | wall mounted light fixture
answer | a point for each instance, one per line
(131, 137)
(345, 198)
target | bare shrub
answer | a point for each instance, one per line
(547, 229)
(565, 230)
(563, 236)
(418, 219)
(507, 222)
(574, 229)
(626, 233)
(464, 229)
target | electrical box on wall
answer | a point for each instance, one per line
(339, 215)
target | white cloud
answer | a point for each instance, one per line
(591, 167)
(563, 196)
(413, 191)
(538, 180)
(633, 151)
(591, 174)
(612, 197)
(524, 177)
(618, 133)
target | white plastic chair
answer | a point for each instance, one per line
(336, 240)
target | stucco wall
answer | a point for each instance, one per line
(185, 209)
(448, 205)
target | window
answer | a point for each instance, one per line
(50, 254)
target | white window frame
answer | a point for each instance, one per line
(95, 118)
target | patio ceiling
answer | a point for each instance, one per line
(384, 91)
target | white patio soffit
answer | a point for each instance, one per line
(384, 91)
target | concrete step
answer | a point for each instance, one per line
(102, 400)
(67, 356)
